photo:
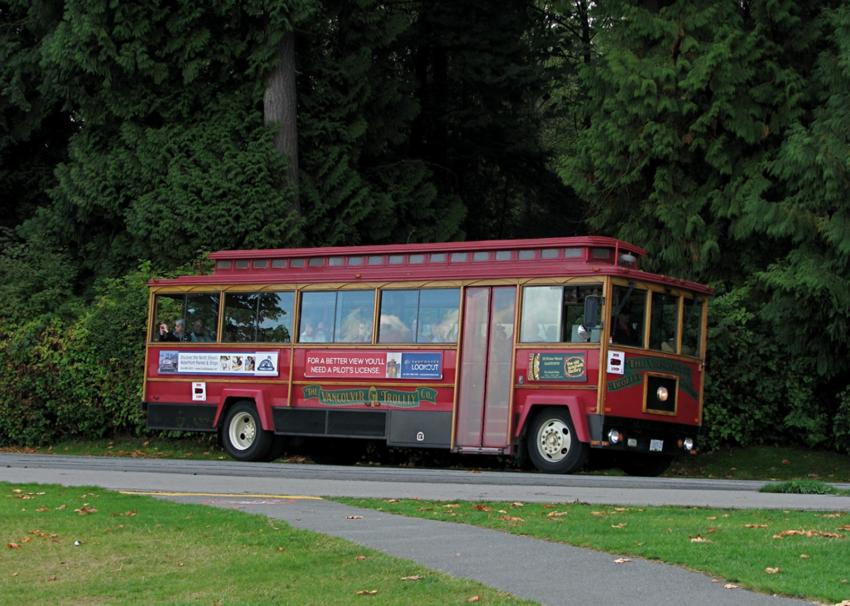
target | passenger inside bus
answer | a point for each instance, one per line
(199, 332)
(179, 333)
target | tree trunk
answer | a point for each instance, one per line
(279, 107)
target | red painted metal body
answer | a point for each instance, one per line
(356, 379)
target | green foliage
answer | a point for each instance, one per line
(802, 487)
(717, 139)
(81, 377)
(755, 392)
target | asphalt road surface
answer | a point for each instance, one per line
(546, 572)
(384, 482)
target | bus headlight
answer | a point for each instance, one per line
(688, 444)
(614, 436)
(662, 394)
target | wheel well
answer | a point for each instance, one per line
(572, 408)
(229, 403)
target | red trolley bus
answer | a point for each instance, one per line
(561, 348)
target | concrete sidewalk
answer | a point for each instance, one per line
(549, 573)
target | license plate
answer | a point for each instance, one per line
(656, 445)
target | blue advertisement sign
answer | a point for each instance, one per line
(422, 365)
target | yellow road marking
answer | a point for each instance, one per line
(159, 493)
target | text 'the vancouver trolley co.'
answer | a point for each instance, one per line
(555, 350)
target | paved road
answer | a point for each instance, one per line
(382, 482)
(546, 572)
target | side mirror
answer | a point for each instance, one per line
(592, 311)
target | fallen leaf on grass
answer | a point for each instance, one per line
(773, 570)
(622, 560)
(53, 578)
(452, 505)
(699, 539)
(556, 514)
(755, 525)
(415, 577)
(730, 586)
(42, 509)
(830, 515)
(598, 513)
(804, 556)
(85, 509)
(620, 525)
(26, 540)
(517, 504)
(808, 534)
(475, 598)
(12, 545)
(390, 500)
(360, 558)
(480, 507)
(844, 527)
(511, 519)
(61, 507)
(367, 592)
(712, 518)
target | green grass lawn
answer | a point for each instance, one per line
(765, 463)
(140, 550)
(751, 548)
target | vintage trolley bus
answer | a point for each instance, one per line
(559, 349)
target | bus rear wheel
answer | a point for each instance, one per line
(552, 443)
(243, 436)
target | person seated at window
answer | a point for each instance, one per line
(355, 329)
(321, 333)
(625, 331)
(164, 333)
(199, 332)
(308, 333)
(179, 333)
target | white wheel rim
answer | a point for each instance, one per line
(242, 431)
(554, 440)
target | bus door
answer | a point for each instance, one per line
(483, 404)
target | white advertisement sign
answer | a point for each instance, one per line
(238, 363)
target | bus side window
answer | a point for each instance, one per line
(664, 322)
(398, 316)
(541, 314)
(354, 309)
(438, 315)
(581, 329)
(691, 327)
(274, 317)
(202, 317)
(240, 317)
(167, 310)
(627, 316)
(317, 317)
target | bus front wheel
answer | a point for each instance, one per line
(243, 436)
(553, 445)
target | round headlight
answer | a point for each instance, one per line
(688, 444)
(662, 394)
(614, 436)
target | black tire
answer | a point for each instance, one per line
(552, 443)
(242, 434)
(277, 448)
(648, 465)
